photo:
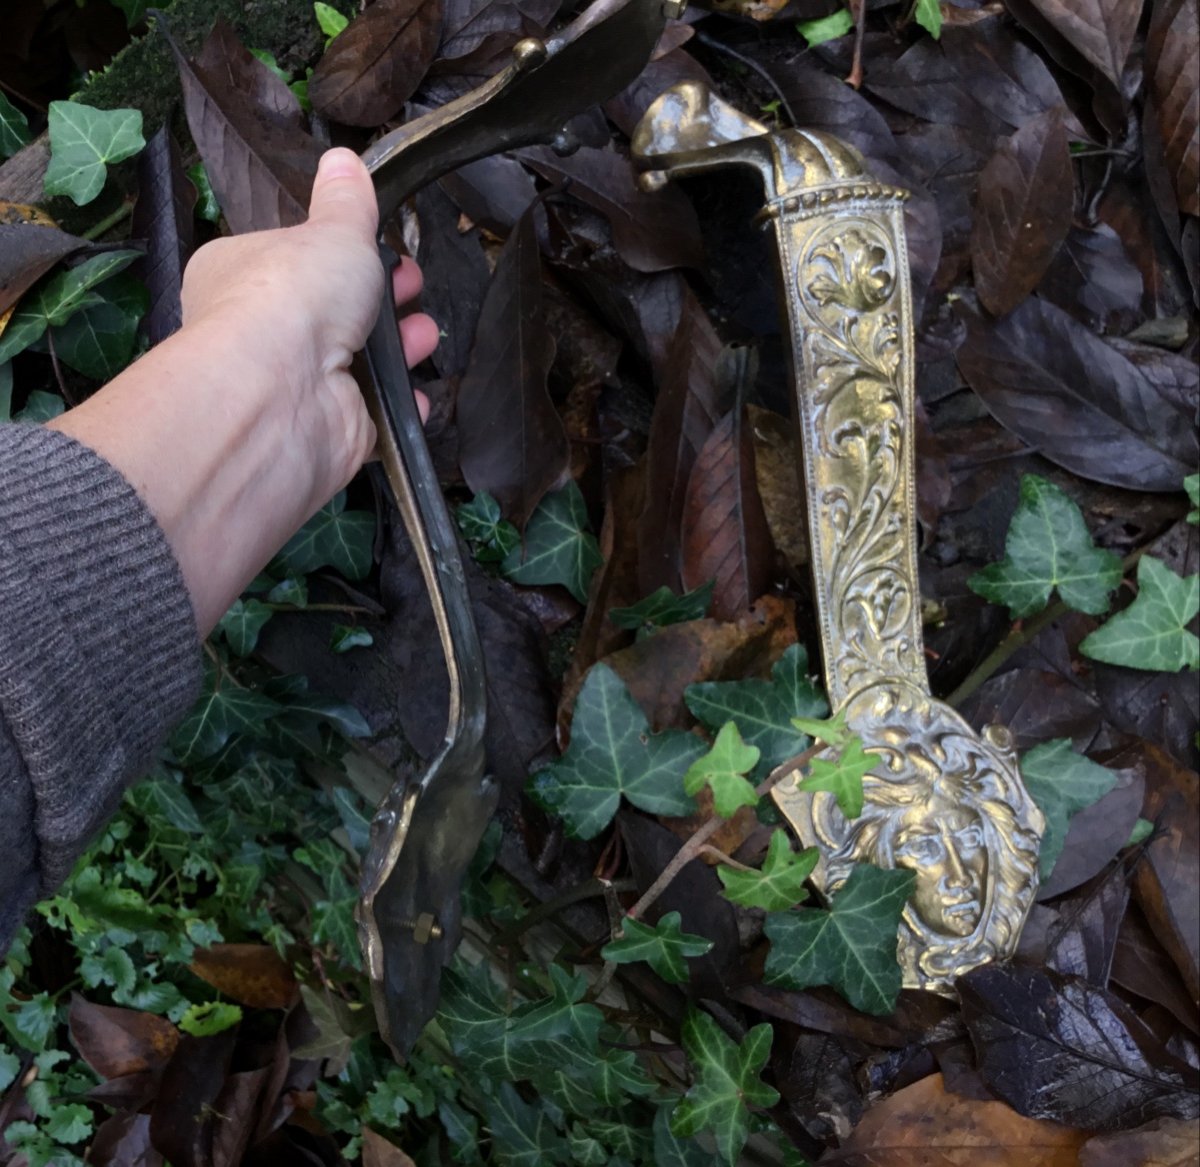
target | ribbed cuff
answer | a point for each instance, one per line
(99, 653)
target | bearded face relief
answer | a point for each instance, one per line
(945, 845)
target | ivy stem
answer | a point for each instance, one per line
(721, 857)
(696, 845)
(109, 222)
(585, 891)
(1018, 637)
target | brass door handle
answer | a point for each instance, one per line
(425, 832)
(943, 800)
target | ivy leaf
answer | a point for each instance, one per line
(14, 128)
(291, 691)
(780, 883)
(41, 406)
(10, 1065)
(242, 624)
(5, 390)
(723, 770)
(613, 752)
(523, 1134)
(852, 946)
(842, 776)
(1192, 485)
(558, 547)
(670, 1151)
(830, 731)
(727, 1083)
(928, 14)
(332, 22)
(1062, 783)
(333, 537)
(1048, 546)
(1152, 632)
(826, 28)
(293, 590)
(100, 340)
(209, 1018)
(111, 967)
(216, 717)
(763, 710)
(345, 637)
(662, 946)
(491, 536)
(56, 300)
(83, 141)
(168, 799)
(207, 206)
(664, 607)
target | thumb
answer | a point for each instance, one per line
(343, 193)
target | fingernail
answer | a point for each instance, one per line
(338, 163)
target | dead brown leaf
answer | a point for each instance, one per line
(252, 974)
(1023, 213)
(375, 65)
(116, 1042)
(922, 1125)
(378, 1152)
(30, 245)
(1166, 1142)
(776, 470)
(724, 533)
(511, 439)
(1166, 882)
(1173, 74)
(1100, 31)
(250, 131)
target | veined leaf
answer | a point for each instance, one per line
(14, 128)
(1192, 485)
(492, 537)
(209, 1018)
(40, 406)
(83, 142)
(242, 624)
(664, 607)
(1152, 632)
(852, 946)
(333, 537)
(723, 769)
(727, 1083)
(207, 206)
(330, 19)
(763, 710)
(613, 752)
(672, 1151)
(559, 549)
(842, 776)
(59, 298)
(928, 14)
(99, 341)
(523, 1134)
(346, 637)
(779, 885)
(216, 717)
(663, 946)
(1062, 783)
(1048, 546)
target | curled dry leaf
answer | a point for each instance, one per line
(375, 65)
(923, 1124)
(1173, 76)
(163, 216)
(1023, 213)
(1166, 1142)
(685, 413)
(30, 245)
(511, 439)
(249, 129)
(724, 531)
(251, 974)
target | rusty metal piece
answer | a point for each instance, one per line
(943, 801)
(425, 831)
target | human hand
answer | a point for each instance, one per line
(301, 301)
(245, 422)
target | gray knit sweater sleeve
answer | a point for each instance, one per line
(98, 654)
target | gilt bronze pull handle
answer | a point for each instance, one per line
(943, 800)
